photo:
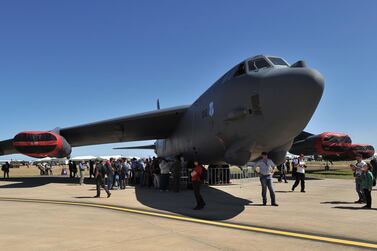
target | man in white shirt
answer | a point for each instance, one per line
(357, 168)
(300, 174)
(266, 171)
(165, 169)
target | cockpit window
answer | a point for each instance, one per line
(240, 70)
(277, 61)
(258, 64)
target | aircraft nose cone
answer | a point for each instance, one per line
(289, 99)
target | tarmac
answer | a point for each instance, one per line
(54, 213)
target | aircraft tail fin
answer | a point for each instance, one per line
(152, 147)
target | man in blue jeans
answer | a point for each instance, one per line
(266, 171)
(358, 170)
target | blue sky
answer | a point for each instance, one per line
(64, 63)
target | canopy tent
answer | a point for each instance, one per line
(111, 156)
(46, 159)
(85, 158)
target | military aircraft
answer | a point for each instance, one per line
(260, 105)
(331, 146)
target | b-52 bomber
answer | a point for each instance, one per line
(260, 105)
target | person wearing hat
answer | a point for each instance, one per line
(266, 169)
(99, 175)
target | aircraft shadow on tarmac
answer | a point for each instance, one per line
(354, 208)
(29, 182)
(220, 205)
(346, 203)
(337, 202)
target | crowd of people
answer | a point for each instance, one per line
(155, 172)
(159, 172)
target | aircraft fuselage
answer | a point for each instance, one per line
(246, 112)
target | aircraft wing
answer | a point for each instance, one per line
(6, 147)
(303, 135)
(156, 124)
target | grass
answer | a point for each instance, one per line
(33, 171)
(331, 174)
(339, 170)
(316, 169)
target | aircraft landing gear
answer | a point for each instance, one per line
(327, 166)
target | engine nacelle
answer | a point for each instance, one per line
(367, 151)
(327, 143)
(40, 144)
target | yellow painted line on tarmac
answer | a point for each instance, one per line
(305, 236)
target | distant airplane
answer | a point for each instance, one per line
(260, 105)
(331, 146)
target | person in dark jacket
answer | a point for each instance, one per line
(91, 169)
(373, 169)
(70, 167)
(5, 168)
(99, 175)
(74, 169)
(196, 182)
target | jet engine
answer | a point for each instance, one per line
(40, 144)
(367, 151)
(327, 143)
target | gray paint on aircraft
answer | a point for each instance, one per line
(245, 112)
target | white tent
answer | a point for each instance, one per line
(131, 157)
(291, 156)
(85, 158)
(46, 159)
(111, 156)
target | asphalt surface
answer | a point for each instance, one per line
(50, 214)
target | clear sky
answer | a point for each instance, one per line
(64, 63)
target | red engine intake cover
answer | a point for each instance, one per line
(38, 144)
(366, 151)
(333, 143)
